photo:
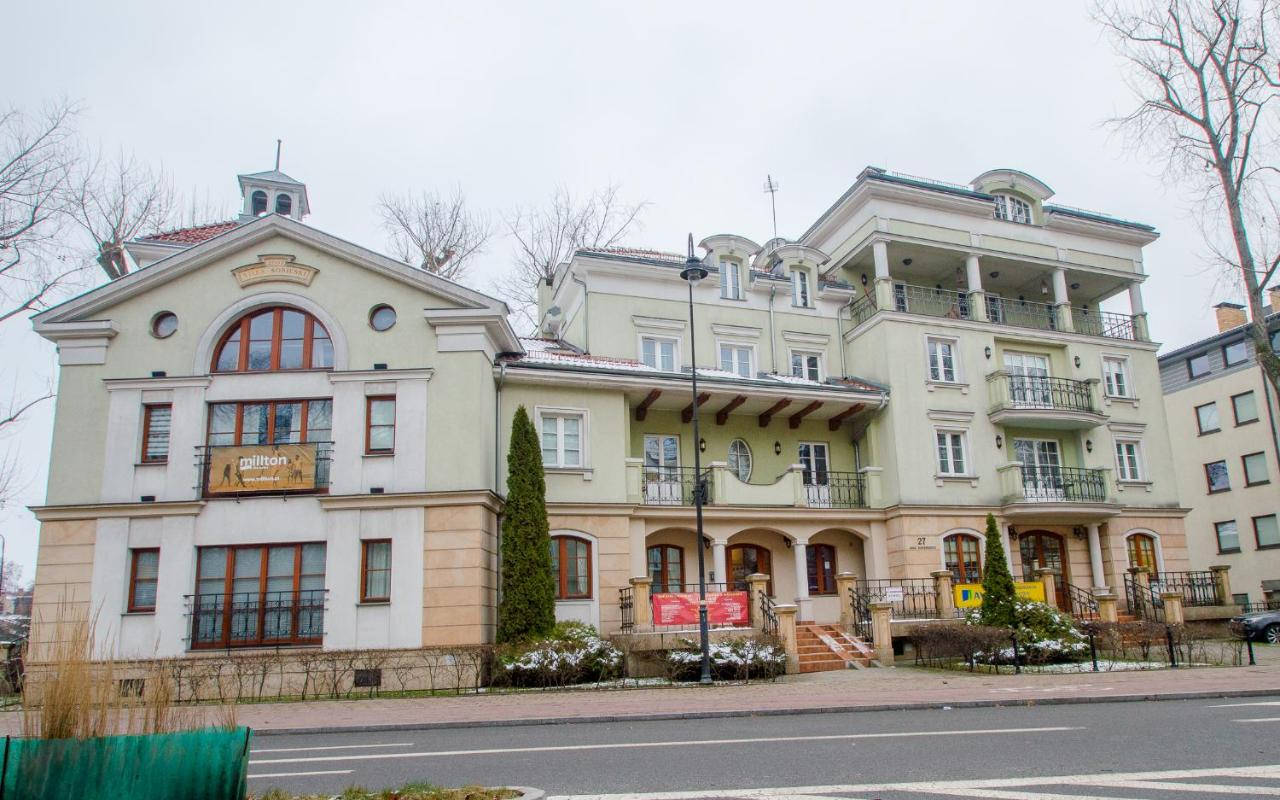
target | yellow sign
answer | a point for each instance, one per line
(274, 268)
(969, 595)
(262, 468)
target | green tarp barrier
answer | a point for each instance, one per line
(193, 765)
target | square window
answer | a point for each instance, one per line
(1207, 418)
(1198, 366)
(736, 358)
(1235, 353)
(951, 447)
(1128, 464)
(942, 360)
(1228, 536)
(1266, 531)
(806, 365)
(1115, 373)
(1217, 476)
(658, 353)
(1255, 469)
(155, 432)
(144, 573)
(561, 436)
(375, 571)
(1245, 407)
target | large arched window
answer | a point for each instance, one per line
(747, 559)
(1012, 208)
(571, 567)
(666, 568)
(274, 339)
(1142, 552)
(822, 568)
(258, 203)
(962, 557)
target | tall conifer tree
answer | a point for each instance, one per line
(528, 606)
(998, 593)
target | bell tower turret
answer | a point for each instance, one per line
(272, 192)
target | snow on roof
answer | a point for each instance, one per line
(193, 235)
(635, 252)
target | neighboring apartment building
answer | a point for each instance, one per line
(267, 436)
(1224, 419)
(924, 354)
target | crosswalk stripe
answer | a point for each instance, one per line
(1174, 786)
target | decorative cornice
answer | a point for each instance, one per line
(365, 375)
(90, 511)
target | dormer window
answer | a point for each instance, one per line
(1012, 209)
(258, 203)
(730, 279)
(274, 339)
(800, 288)
(284, 204)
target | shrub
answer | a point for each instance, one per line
(573, 653)
(528, 605)
(743, 658)
(1045, 635)
(946, 643)
(998, 594)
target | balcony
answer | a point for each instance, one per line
(675, 486)
(1043, 402)
(1070, 491)
(256, 619)
(268, 469)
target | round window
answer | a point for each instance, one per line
(164, 324)
(740, 460)
(382, 317)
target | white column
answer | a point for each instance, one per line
(718, 562)
(880, 252)
(1135, 299)
(1095, 557)
(973, 271)
(802, 582)
(1060, 287)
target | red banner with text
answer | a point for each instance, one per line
(723, 608)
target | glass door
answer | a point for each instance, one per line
(817, 480)
(1044, 550)
(1028, 380)
(662, 469)
(1041, 469)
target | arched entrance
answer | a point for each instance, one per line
(1142, 552)
(1044, 550)
(748, 559)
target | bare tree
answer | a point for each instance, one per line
(549, 235)
(435, 233)
(1207, 80)
(115, 200)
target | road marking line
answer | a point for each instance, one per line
(997, 794)
(1259, 719)
(1237, 705)
(329, 747)
(300, 774)
(1262, 771)
(632, 745)
(1255, 791)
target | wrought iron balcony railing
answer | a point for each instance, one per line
(836, 490)
(257, 619)
(1035, 392)
(1104, 323)
(1063, 485)
(674, 486)
(930, 302)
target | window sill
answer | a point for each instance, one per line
(940, 478)
(1246, 422)
(380, 454)
(1210, 432)
(139, 613)
(1269, 547)
(931, 384)
(1218, 491)
(1257, 483)
(574, 599)
(739, 299)
(151, 464)
(587, 473)
(1122, 485)
(1120, 398)
(1228, 552)
(373, 603)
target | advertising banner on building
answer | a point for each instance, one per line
(262, 468)
(969, 595)
(681, 608)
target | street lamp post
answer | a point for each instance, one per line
(692, 273)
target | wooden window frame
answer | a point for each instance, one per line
(817, 580)
(271, 417)
(133, 606)
(663, 562)
(365, 597)
(1131, 548)
(728, 560)
(241, 325)
(959, 539)
(368, 424)
(263, 565)
(562, 576)
(147, 410)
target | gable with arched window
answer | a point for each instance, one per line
(962, 556)
(272, 339)
(1013, 209)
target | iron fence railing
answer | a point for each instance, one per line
(768, 615)
(231, 482)
(932, 302)
(862, 309)
(836, 490)
(1198, 588)
(255, 619)
(1058, 394)
(1143, 603)
(861, 622)
(1063, 484)
(1103, 323)
(1080, 602)
(1022, 313)
(912, 598)
(626, 607)
(1255, 608)
(674, 486)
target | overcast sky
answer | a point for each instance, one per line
(685, 105)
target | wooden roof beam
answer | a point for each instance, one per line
(722, 416)
(687, 414)
(834, 423)
(642, 410)
(774, 409)
(795, 419)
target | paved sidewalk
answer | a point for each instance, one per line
(844, 690)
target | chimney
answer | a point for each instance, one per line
(1274, 291)
(1230, 315)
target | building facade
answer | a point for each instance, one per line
(267, 436)
(1223, 420)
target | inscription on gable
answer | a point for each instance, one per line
(274, 268)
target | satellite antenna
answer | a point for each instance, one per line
(771, 186)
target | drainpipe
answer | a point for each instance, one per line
(773, 345)
(497, 472)
(586, 314)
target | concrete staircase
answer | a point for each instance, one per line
(827, 647)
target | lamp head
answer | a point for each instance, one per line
(693, 271)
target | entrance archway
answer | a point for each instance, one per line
(1044, 550)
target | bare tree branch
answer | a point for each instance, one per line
(115, 200)
(547, 236)
(435, 233)
(1207, 80)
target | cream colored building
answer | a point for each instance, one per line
(1223, 419)
(268, 436)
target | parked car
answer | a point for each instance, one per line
(1261, 625)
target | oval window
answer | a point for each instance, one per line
(164, 324)
(382, 317)
(740, 460)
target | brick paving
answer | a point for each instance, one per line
(843, 689)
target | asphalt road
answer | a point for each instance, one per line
(1199, 748)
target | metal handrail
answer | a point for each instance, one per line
(931, 302)
(254, 619)
(674, 486)
(1143, 603)
(836, 490)
(768, 615)
(1103, 323)
(1036, 391)
(861, 622)
(1063, 484)
(862, 309)
(1022, 313)
(1198, 588)
(1081, 602)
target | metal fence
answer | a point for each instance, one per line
(861, 621)
(218, 486)
(1198, 588)
(768, 616)
(674, 486)
(1080, 602)
(840, 490)
(1063, 484)
(912, 598)
(1065, 394)
(249, 619)
(1022, 313)
(1255, 608)
(931, 302)
(862, 309)
(626, 605)
(1103, 323)
(1143, 603)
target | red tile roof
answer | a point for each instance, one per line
(196, 235)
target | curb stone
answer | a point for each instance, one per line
(937, 705)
